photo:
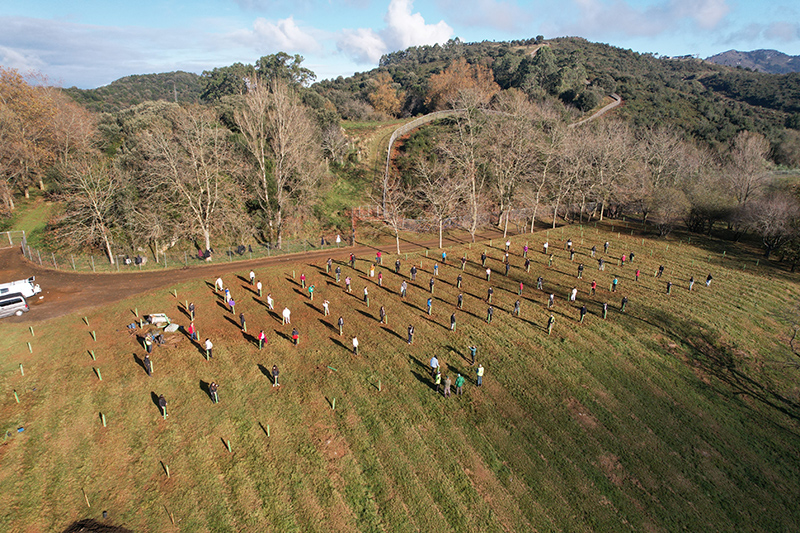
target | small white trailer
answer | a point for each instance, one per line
(27, 287)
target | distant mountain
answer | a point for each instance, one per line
(132, 90)
(769, 61)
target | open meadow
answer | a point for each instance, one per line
(680, 413)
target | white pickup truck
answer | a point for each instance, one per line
(26, 287)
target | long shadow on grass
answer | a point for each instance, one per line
(233, 321)
(264, 370)
(204, 388)
(365, 314)
(311, 306)
(154, 398)
(393, 332)
(329, 325)
(337, 342)
(426, 380)
(139, 362)
(283, 335)
(223, 306)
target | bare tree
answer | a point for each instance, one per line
(189, 163)
(773, 218)
(89, 189)
(463, 148)
(283, 143)
(511, 154)
(397, 202)
(439, 189)
(747, 165)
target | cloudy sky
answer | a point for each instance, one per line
(89, 43)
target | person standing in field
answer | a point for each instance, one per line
(347, 284)
(270, 302)
(262, 339)
(148, 365)
(252, 278)
(355, 345)
(212, 391)
(397, 266)
(382, 314)
(326, 308)
(209, 348)
(479, 373)
(242, 322)
(708, 280)
(459, 279)
(550, 323)
(460, 301)
(275, 375)
(447, 383)
(328, 265)
(338, 273)
(287, 316)
(583, 313)
(191, 310)
(403, 289)
(410, 334)
(453, 322)
(192, 331)
(437, 380)
(460, 385)
(295, 337)
(594, 287)
(340, 323)
(473, 350)
(691, 283)
(434, 365)
(516, 307)
(218, 284)
(162, 406)
(259, 287)
(489, 314)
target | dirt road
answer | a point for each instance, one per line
(65, 292)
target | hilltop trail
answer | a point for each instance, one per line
(67, 292)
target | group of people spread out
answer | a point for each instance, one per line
(441, 384)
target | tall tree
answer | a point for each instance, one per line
(510, 151)
(385, 97)
(189, 162)
(439, 189)
(89, 188)
(283, 144)
(747, 164)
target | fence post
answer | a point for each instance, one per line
(54, 260)
(72, 258)
(40, 256)
(92, 262)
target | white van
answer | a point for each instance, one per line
(13, 304)
(25, 287)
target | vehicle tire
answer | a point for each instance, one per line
(18, 313)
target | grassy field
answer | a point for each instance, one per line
(679, 414)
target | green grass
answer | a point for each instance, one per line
(31, 216)
(679, 414)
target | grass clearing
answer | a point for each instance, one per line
(677, 414)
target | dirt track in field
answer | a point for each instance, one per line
(65, 292)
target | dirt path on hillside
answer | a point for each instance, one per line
(65, 292)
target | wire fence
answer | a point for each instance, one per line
(12, 238)
(167, 259)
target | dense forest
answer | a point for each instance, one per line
(254, 151)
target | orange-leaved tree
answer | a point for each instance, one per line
(444, 88)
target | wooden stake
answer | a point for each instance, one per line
(32, 334)
(21, 370)
(379, 385)
(85, 319)
(99, 375)
(228, 445)
(16, 396)
(94, 336)
(136, 312)
(103, 418)
(30, 349)
(85, 497)
(333, 405)
(267, 430)
(91, 352)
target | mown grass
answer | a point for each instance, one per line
(678, 414)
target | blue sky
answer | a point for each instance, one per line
(89, 43)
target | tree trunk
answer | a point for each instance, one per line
(108, 246)
(397, 239)
(505, 229)
(207, 238)
(441, 224)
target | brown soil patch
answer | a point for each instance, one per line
(581, 414)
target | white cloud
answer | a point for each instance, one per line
(363, 44)
(403, 29)
(621, 17)
(281, 35)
